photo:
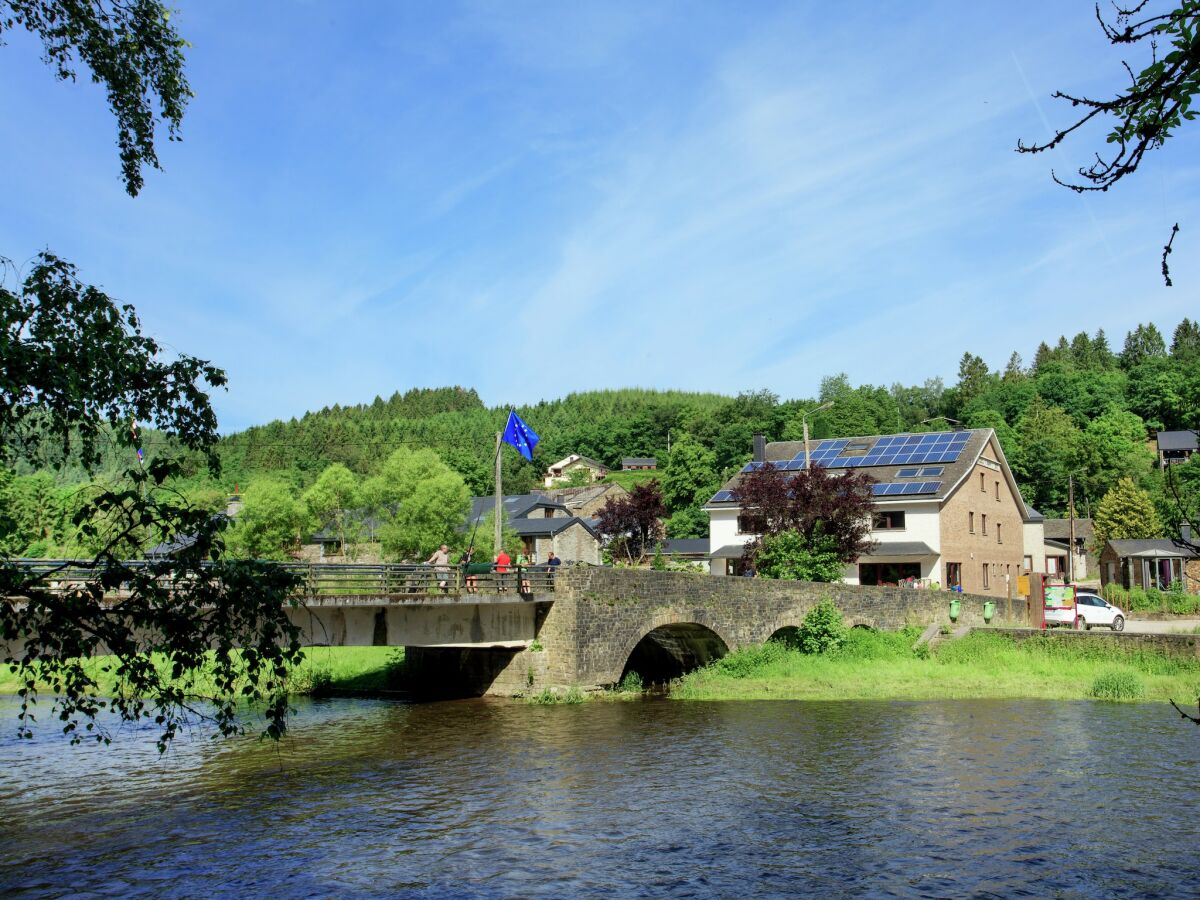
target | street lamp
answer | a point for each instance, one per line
(804, 419)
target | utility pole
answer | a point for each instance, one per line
(1071, 514)
(499, 502)
(804, 420)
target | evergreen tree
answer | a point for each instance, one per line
(1015, 368)
(1185, 343)
(1141, 344)
(973, 378)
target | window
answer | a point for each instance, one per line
(986, 583)
(1028, 563)
(953, 574)
(888, 573)
(892, 520)
(997, 491)
(983, 523)
(982, 485)
(747, 524)
(999, 540)
(971, 522)
(908, 473)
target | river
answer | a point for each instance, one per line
(489, 798)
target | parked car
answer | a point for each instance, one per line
(1095, 610)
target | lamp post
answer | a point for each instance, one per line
(804, 420)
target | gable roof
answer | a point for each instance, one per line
(576, 458)
(853, 448)
(1153, 548)
(515, 505)
(580, 496)
(1178, 440)
(1060, 529)
(639, 461)
(694, 546)
(536, 527)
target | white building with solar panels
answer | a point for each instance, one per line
(947, 509)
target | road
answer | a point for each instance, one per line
(1174, 626)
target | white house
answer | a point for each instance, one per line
(947, 509)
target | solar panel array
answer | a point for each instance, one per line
(914, 450)
(901, 488)
(923, 471)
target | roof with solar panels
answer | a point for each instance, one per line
(926, 466)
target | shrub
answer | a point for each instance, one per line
(822, 630)
(791, 556)
(632, 682)
(1117, 684)
(747, 661)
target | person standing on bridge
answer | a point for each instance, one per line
(441, 566)
(503, 561)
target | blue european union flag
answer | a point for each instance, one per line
(520, 436)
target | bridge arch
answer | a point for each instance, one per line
(669, 646)
(786, 624)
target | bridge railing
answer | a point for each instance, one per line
(333, 580)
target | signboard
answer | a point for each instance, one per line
(1060, 596)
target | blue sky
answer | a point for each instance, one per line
(532, 199)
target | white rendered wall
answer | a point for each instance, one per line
(1034, 538)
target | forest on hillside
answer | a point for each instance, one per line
(1080, 408)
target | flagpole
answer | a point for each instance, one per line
(499, 501)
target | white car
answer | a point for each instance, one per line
(1095, 610)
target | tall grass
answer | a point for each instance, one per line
(882, 665)
(323, 670)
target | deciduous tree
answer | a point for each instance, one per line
(632, 524)
(827, 511)
(78, 363)
(131, 48)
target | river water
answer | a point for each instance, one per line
(488, 798)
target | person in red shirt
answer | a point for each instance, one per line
(503, 561)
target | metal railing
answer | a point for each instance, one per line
(333, 580)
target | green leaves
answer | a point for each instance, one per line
(131, 49)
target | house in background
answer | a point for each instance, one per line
(1086, 562)
(1151, 563)
(687, 550)
(587, 501)
(1176, 446)
(638, 463)
(544, 524)
(561, 470)
(362, 533)
(947, 509)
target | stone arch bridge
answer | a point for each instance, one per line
(598, 623)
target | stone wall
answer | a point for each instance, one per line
(1185, 646)
(600, 615)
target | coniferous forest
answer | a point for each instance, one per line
(1079, 408)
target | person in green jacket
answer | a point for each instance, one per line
(523, 571)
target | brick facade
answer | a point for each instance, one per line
(981, 526)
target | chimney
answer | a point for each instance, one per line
(1185, 532)
(760, 446)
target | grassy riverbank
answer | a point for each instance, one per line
(883, 666)
(323, 669)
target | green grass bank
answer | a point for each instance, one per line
(324, 669)
(883, 666)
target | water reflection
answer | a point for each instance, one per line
(503, 799)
